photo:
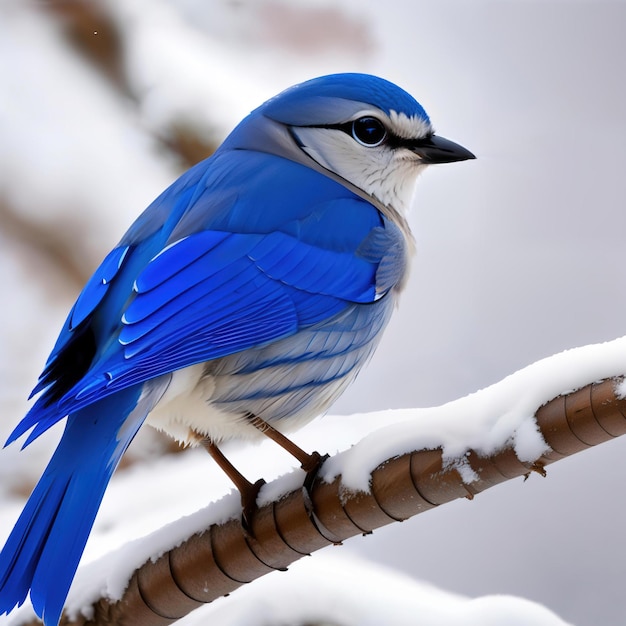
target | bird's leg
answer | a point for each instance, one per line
(249, 491)
(309, 462)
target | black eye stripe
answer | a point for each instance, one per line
(391, 140)
(368, 131)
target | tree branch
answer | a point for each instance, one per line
(222, 558)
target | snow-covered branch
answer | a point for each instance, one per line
(215, 559)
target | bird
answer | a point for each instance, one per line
(240, 304)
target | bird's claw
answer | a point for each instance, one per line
(312, 468)
(248, 504)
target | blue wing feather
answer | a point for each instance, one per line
(199, 277)
(170, 261)
(97, 287)
(261, 268)
(213, 308)
(316, 270)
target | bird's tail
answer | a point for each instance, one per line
(42, 552)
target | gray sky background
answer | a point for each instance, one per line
(520, 256)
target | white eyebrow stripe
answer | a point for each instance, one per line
(409, 127)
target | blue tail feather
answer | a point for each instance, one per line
(43, 551)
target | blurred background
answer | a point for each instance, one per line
(520, 253)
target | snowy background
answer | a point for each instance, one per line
(519, 252)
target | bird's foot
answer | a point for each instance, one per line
(249, 494)
(312, 467)
(248, 491)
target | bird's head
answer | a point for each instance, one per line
(363, 131)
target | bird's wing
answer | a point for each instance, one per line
(216, 293)
(209, 294)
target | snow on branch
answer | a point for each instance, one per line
(218, 559)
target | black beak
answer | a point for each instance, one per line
(435, 149)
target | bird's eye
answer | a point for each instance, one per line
(369, 131)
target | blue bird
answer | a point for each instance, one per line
(241, 303)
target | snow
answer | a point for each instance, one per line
(333, 589)
(485, 421)
(354, 592)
